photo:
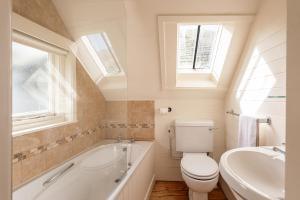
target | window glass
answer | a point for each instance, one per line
(205, 38)
(31, 80)
(206, 46)
(101, 45)
(186, 46)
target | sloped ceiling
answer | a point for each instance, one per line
(91, 16)
(95, 16)
(141, 32)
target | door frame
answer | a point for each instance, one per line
(5, 100)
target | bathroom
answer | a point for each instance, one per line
(149, 99)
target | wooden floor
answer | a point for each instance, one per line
(177, 190)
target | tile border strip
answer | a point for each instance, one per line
(127, 125)
(19, 156)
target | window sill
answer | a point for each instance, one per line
(41, 128)
(194, 81)
(193, 71)
(195, 84)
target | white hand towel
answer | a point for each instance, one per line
(247, 131)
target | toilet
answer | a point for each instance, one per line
(199, 171)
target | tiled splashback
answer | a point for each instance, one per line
(129, 119)
(141, 120)
(27, 154)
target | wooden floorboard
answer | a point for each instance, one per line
(177, 190)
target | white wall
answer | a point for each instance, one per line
(5, 101)
(261, 73)
(165, 167)
(293, 108)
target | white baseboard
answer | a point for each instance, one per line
(148, 194)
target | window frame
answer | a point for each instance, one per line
(94, 55)
(32, 119)
(28, 33)
(167, 29)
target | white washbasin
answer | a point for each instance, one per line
(255, 173)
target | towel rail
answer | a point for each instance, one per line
(261, 120)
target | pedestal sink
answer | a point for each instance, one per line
(254, 173)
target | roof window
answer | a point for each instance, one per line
(102, 52)
(197, 47)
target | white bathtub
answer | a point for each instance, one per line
(109, 172)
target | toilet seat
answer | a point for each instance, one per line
(199, 166)
(203, 178)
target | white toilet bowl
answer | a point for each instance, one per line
(200, 173)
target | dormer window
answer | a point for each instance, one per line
(102, 53)
(197, 47)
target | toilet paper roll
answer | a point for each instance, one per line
(163, 111)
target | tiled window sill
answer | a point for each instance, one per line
(41, 128)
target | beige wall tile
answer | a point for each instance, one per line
(33, 166)
(133, 114)
(42, 12)
(141, 133)
(113, 133)
(27, 142)
(116, 110)
(58, 155)
(17, 174)
(140, 117)
(141, 106)
(116, 113)
(79, 145)
(140, 113)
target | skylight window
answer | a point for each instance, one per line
(194, 50)
(196, 47)
(102, 52)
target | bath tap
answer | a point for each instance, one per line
(131, 140)
(119, 139)
(277, 149)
